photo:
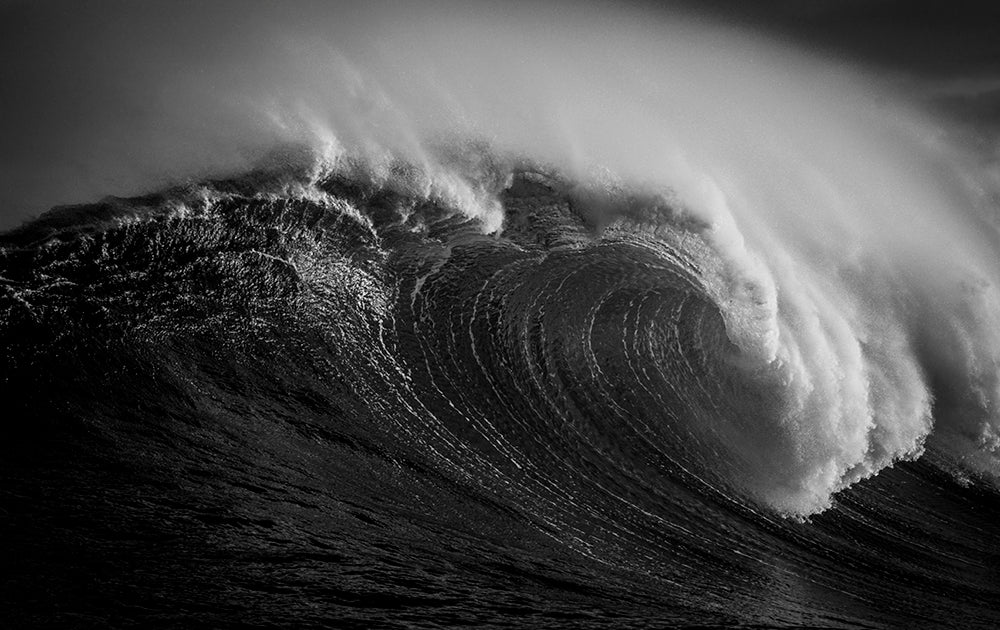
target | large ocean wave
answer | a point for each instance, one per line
(664, 304)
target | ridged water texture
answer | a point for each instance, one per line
(282, 401)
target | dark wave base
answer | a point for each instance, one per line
(271, 411)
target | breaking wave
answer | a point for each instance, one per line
(641, 286)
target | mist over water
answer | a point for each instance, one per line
(854, 267)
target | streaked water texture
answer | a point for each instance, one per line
(275, 400)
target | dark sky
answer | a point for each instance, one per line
(70, 70)
(932, 38)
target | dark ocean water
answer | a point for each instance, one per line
(239, 404)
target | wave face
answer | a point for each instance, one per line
(305, 396)
(539, 318)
